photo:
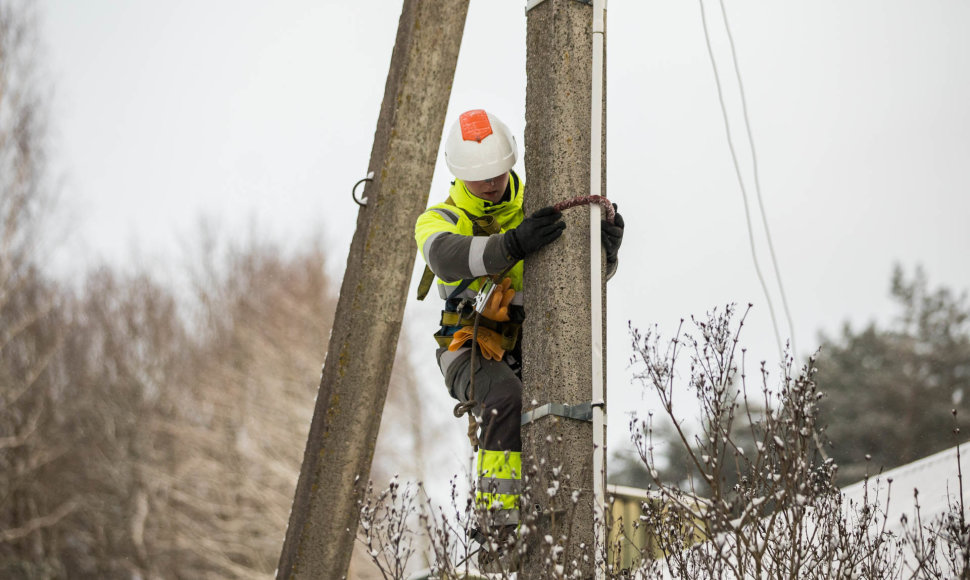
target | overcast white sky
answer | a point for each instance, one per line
(243, 110)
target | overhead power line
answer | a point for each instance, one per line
(757, 180)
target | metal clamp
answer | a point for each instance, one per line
(362, 202)
(533, 3)
(481, 300)
(581, 412)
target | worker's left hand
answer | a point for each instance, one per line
(611, 236)
(497, 307)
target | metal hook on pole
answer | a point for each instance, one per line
(362, 202)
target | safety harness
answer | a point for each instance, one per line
(459, 313)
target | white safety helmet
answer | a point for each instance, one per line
(479, 147)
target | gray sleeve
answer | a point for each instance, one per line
(454, 257)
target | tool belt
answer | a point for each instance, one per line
(461, 315)
(452, 322)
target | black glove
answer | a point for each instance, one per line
(535, 231)
(611, 236)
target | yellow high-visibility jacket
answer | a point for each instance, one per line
(456, 249)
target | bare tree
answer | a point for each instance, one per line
(30, 314)
(240, 411)
(123, 345)
(143, 433)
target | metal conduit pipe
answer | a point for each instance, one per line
(596, 284)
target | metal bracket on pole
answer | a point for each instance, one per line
(533, 3)
(581, 412)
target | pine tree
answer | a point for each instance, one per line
(890, 391)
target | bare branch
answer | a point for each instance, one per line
(39, 523)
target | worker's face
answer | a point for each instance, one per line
(490, 190)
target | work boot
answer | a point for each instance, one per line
(498, 550)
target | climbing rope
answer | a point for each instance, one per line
(586, 200)
(469, 405)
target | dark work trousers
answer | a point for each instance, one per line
(498, 390)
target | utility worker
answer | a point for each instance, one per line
(478, 237)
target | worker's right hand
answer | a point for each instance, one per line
(535, 231)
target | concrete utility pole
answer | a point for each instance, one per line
(558, 360)
(324, 517)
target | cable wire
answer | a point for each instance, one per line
(757, 182)
(737, 171)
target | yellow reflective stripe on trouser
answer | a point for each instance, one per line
(499, 481)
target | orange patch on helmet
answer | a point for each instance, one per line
(475, 125)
